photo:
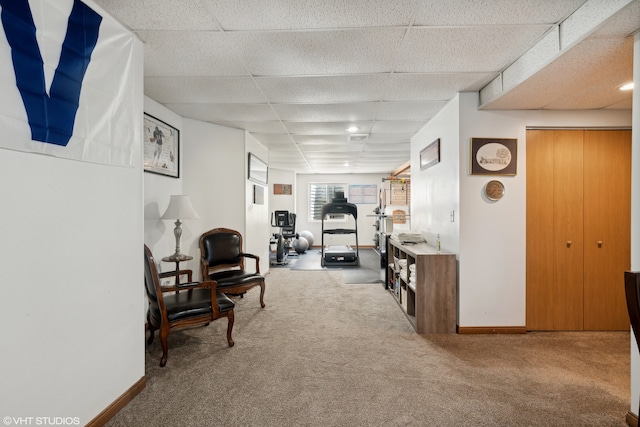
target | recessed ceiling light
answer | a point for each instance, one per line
(352, 129)
(628, 86)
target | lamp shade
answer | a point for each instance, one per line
(180, 208)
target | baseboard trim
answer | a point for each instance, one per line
(492, 329)
(110, 411)
(632, 419)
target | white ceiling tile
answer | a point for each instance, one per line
(494, 12)
(225, 112)
(318, 65)
(409, 110)
(622, 24)
(327, 149)
(390, 138)
(387, 148)
(293, 14)
(581, 68)
(433, 87)
(317, 52)
(595, 95)
(279, 139)
(281, 148)
(323, 89)
(327, 112)
(543, 52)
(208, 54)
(343, 152)
(325, 128)
(257, 127)
(165, 15)
(398, 153)
(203, 90)
(320, 139)
(400, 126)
(627, 104)
(586, 19)
(468, 49)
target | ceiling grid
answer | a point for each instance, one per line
(297, 74)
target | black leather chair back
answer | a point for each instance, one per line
(222, 247)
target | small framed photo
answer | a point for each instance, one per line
(258, 170)
(285, 189)
(494, 156)
(430, 155)
(161, 147)
(258, 194)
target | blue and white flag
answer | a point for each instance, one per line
(66, 79)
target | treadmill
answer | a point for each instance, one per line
(340, 255)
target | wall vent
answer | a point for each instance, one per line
(358, 137)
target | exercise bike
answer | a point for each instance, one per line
(286, 222)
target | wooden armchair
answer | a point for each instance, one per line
(169, 309)
(222, 260)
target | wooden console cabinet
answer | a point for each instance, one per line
(431, 302)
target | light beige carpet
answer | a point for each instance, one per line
(323, 353)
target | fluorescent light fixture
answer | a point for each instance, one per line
(628, 86)
(352, 129)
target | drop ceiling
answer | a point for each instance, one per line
(296, 74)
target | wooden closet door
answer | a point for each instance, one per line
(607, 219)
(554, 230)
(540, 256)
(568, 229)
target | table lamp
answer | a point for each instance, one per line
(179, 208)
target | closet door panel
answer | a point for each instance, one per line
(568, 229)
(540, 279)
(607, 218)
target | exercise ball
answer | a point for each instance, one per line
(307, 235)
(300, 245)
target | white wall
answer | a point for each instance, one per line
(213, 172)
(71, 307)
(282, 202)
(366, 218)
(490, 234)
(435, 191)
(257, 228)
(158, 234)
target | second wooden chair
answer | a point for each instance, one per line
(223, 260)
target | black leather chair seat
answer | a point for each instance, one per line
(194, 302)
(233, 278)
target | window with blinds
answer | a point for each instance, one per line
(321, 194)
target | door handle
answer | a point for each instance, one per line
(599, 243)
(568, 243)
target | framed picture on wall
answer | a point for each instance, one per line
(161, 147)
(258, 169)
(285, 189)
(493, 156)
(430, 155)
(258, 194)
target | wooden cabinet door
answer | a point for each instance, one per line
(607, 218)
